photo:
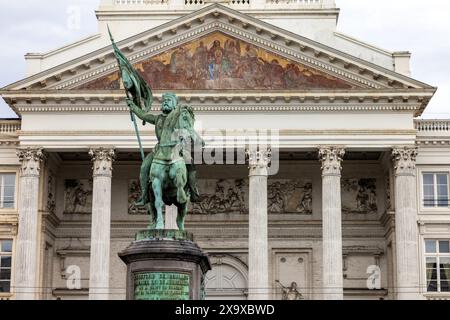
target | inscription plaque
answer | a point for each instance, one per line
(161, 286)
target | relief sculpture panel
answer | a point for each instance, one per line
(78, 196)
(222, 196)
(134, 193)
(290, 196)
(359, 196)
(231, 196)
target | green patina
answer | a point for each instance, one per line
(164, 234)
(167, 176)
(161, 286)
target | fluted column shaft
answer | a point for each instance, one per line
(331, 159)
(258, 260)
(406, 233)
(26, 254)
(101, 223)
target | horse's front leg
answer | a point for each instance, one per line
(178, 175)
(181, 215)
(159, 203)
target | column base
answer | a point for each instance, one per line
(165, 265)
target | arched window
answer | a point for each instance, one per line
(227, 280)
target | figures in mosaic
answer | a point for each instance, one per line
(219, 61)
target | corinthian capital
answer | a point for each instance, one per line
(404, 159)
(102, 159)
(331, 159)
(258, 160)
(30, 158)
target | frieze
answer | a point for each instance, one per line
(231, 196)
(290, 196)
(134, 193)
(359, 195)
(77, 196)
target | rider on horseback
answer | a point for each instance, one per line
(169, 104)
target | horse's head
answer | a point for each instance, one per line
(188, 139)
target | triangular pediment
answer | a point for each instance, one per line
(180, 55)
(219, 61)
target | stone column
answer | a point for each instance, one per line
(406, 234)
(258, 260)
(331, 158)
(26, 268)
(101, 223)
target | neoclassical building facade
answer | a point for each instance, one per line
(317, 179)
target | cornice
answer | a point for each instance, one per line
(49, 108)
(151, 133)
(245, 101)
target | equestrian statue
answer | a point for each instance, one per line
(168, 175)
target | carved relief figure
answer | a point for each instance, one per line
(51, 193)
(78, 196)
(290, 196)
(388, 192)
(359, 195)
(276, 200)
(291, 292)
(134, 193)
(305, 205)
(219, 61)
(228, 197)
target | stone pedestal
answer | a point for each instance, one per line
(165, 265)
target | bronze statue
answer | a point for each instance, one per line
(167, 174)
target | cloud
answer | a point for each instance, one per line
(38, 26)
(412, 25)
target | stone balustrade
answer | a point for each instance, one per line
(250, 4)
(9, 126)
(440, 126)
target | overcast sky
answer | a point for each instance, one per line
(422, 27)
